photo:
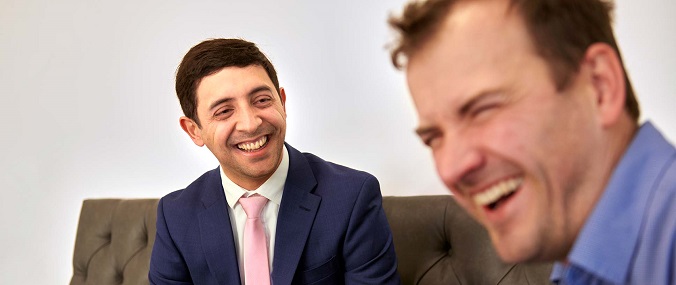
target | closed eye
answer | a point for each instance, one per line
(482, 109)
(428, 140)
(482, 104)
(429, 137)
(223, 113)
(263, 101)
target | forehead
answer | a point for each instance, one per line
(232, 82)
(478, 45)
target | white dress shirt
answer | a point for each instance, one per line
(271, 189)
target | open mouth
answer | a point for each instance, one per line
(498, 193)
(253, 146)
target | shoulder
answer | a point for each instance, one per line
(336, 173)
(661, 207)
(656, 252)
(661, 203)
(341, 186)
(194, 193)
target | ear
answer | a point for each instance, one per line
(607, 76)
(191, 128)
(282, 96)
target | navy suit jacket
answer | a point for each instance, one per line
(331, 229)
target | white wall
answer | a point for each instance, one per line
(88, 107)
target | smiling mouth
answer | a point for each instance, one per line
(497, 194)
(253, 146)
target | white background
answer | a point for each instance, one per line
(88, 107)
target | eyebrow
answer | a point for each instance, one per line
(251, 92)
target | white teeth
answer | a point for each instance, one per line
(493, 194)
(254, 145)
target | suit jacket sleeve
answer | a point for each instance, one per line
(167, 266)
(369, 248)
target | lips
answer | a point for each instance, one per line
(253, 146)
(492, 197)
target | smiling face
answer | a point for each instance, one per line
(517, 153)
(243, 123)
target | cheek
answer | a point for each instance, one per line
(221, 133)
(281, 111)
(277, 117)
(517, 134)
(505, 137)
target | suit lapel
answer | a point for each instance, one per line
(216, 232)
(296, 215)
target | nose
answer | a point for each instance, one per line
(248, 120)
(458, 164)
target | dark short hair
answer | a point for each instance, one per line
(209, 57)
(561, 31)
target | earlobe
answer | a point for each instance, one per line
(191, 128)
(607, 78)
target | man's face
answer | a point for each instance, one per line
(512, 149)
(243, 123)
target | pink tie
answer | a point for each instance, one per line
(256, 266)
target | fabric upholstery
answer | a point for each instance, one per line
(435, 240)
(114, 241)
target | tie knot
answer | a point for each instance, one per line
(253, 205)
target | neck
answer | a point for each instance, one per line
(604, 158)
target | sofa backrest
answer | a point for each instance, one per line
(436, 243)
(114, 240)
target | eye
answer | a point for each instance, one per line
(223, 112)
(430, 139)
(427, 141)
(263, 101)
(483, 105)
(483, 109)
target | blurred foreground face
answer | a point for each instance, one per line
(513, 150)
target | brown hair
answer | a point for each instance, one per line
(561, 29)
(210, 56)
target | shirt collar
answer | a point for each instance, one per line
(606, 243)
(271, 189)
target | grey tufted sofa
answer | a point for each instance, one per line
(436, 243)
(114, 241)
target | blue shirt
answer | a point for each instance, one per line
(630, 236)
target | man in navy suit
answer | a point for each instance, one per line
(324, 223)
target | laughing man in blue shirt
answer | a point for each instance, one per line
(533, 125)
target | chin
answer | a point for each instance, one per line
(512, 258)
(515, 252)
